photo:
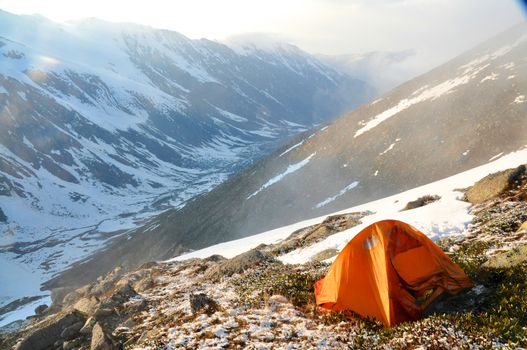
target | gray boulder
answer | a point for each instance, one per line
(46, 337)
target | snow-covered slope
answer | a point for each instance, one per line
(103, 125)
(447, 216)
(456, 117)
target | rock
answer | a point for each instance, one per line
(72, 331)
(215, 258)
(58, 295)
(86, 305)
(148, 265)
(39, 310)
(143, 284)
(202, 303)
(99, 340)
(421, 201)
(494, 184)
(523, 227)
(71, 344)
(102, 313)
(3, 217)
(508, 258)
(238, 264)
(71, 298)
(45, 337)
(88, 326)
(325, 254)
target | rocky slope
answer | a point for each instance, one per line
(255, 301)
(459, 115)
(102, 125)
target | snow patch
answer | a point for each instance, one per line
(332, 198)
(291, 148)
(519, 99)
(390, 147)
(495, 157)
(290, 169)
(426, 94)
(492, 76)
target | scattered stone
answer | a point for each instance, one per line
(143, 284)
(86, 305)
(72, 344)
(215, 258)
(39, 310)
(102, 313)
(508, 258)
(72, 331)
(202, 303)
(238, 264)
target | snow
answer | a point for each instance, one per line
(496, 156)
(519, 99)
(3, 90)
(343, 191)
(491, 77)
(468, 72)
(232, 116)
(448, 216)
(290, 169)
(24, 311)
(431, 93)
(291, 148)
(509, 65)
(390, 147)
(511, 76)
(466, 152)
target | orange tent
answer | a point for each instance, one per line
(391, 272)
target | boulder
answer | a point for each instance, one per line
(99, 340)
(494, 184)
(86, 305)
(88, 326)
(47, 336)
(39, 310)
(421, 202)
(72, 332)
(523, 227)
(238, 264)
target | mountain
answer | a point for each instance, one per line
(257, 292)
(458, 116)
(102, 125)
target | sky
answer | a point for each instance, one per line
(436, 30)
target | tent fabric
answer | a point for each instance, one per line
(389, 271)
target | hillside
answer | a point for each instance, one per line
(263, 298)
(460, 115)
(103, 125)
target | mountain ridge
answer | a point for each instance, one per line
(457, 116)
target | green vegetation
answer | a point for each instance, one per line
(293, 282)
